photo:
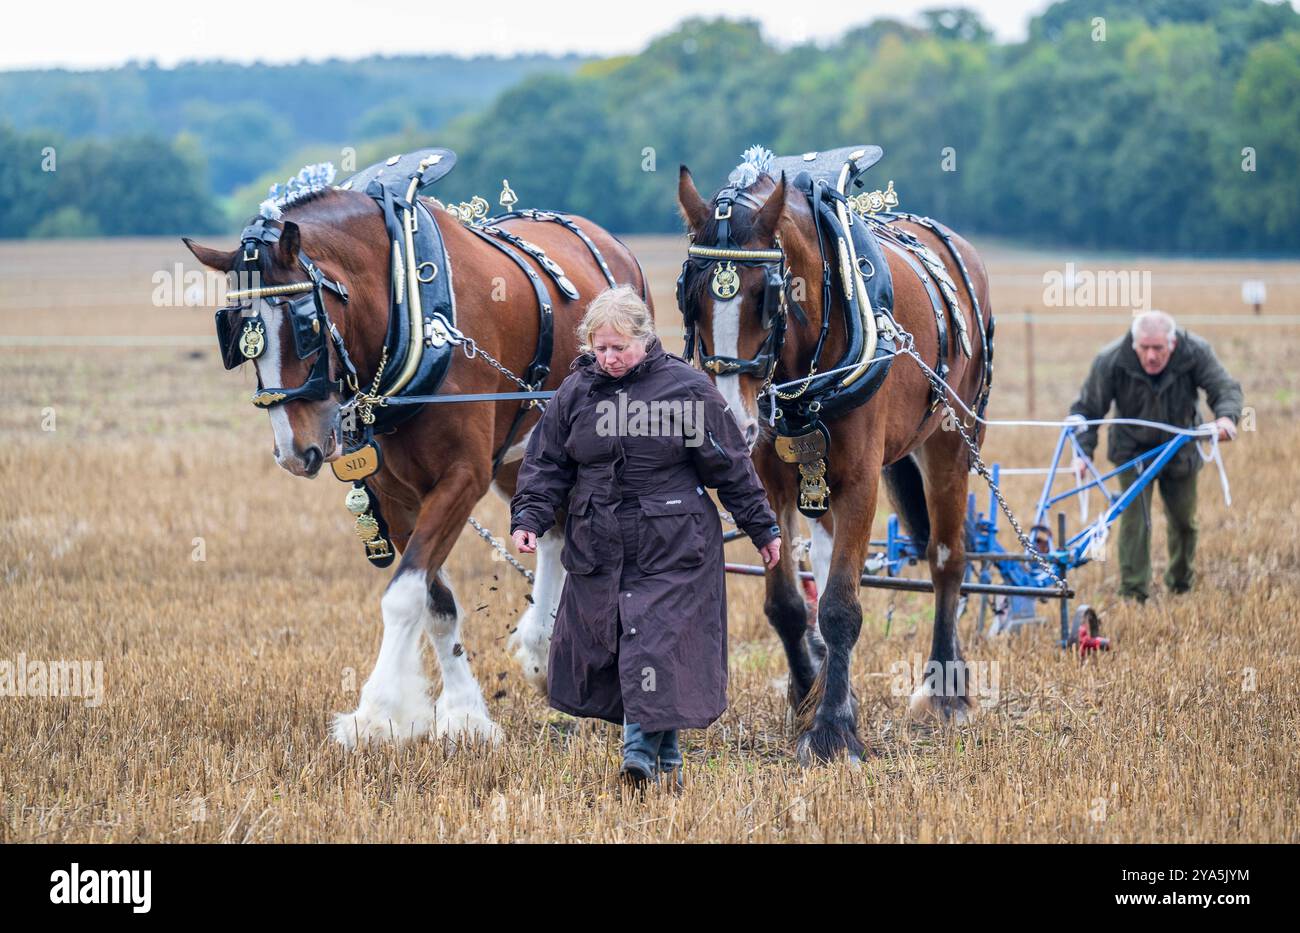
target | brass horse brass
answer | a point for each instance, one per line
(814, 494)
(267, 399)
(725, 282)
(253, 340)
(809, 451)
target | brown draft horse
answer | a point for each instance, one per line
(438, 464)
(927, 482)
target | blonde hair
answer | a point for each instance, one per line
(621, 308)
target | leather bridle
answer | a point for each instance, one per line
(243, 338)
(724, 285)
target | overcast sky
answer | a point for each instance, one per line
(84, 34)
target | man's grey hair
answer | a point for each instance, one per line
(1153, 322)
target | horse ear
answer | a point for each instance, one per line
(769, 214)
(290, 241)
(694, 210)
(215, 259)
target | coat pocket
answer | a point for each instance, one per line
(671, 533)
(579, 552)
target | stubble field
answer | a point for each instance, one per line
(127, 452)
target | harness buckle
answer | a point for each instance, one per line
(717, 211)
(252, 258)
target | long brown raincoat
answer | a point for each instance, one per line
(647, 642)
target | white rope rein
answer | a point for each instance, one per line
(1203, 432)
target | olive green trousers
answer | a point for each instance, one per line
(1179, 499)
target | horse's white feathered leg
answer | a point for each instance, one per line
(461, 712)
(395, 699)
(531, 641)
(821, 546)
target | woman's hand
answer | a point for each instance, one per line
(771, 552)
(525, 541)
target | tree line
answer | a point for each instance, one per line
(1154, 125)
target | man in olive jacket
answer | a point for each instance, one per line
(1153, 373)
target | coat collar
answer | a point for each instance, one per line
(654, 353)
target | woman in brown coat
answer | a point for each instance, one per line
(626, 448)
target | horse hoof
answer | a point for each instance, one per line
(369, 725)
(825, 743)
(467, 726)
(925, 704)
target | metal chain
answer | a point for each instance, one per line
(942, 389)
(791, 396)
(365, 402)
(500, 548)
(472, 349)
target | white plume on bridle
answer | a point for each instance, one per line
(310, 179)
(754, 162)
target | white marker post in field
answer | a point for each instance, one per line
(1253, 292)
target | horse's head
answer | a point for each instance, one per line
(734, 288)
(285, 316)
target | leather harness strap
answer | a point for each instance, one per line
(566, 223)
(936, 302)
(985, 332)
(549, 265)
(538, 370)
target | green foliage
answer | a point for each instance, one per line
(1266, 111)
(135, 185)
(67, 221)
(1127, 138)
(246, 115)
(1116, 124)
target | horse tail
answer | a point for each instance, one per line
(906, 490)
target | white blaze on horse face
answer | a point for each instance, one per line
(726, 342)
(268, 370)
(288, 451)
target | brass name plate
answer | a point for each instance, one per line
(360, 463)
(802, 448)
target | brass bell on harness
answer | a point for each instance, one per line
(508, 197)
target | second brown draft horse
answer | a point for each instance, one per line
(760, 282)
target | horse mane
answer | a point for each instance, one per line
(324, 212)
(308, 198)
